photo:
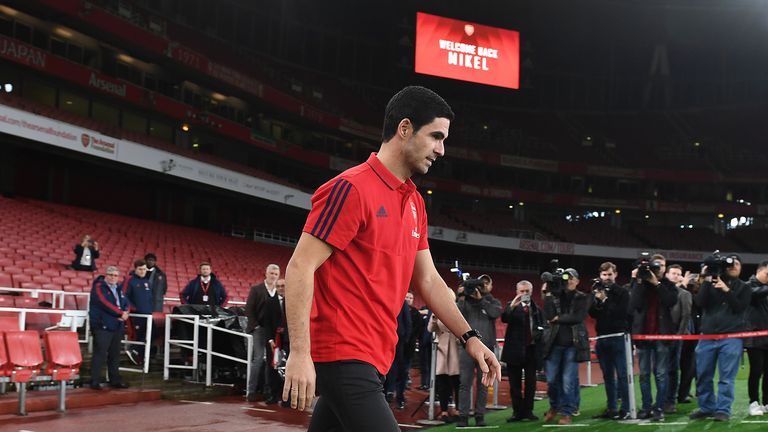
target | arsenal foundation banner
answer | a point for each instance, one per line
(466, 51)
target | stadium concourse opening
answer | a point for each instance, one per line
(160, 159)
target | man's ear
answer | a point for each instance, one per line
(404, 127)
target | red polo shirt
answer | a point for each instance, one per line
(376, 224)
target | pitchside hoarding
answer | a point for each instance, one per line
(466, 51)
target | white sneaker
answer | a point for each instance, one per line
(755, 409)
(765, 409)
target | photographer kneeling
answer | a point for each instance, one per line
(567, 342)
(480, 309)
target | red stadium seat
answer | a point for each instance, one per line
(61, 280)
(63, 355)
(71, 274)
(24, 361)
(51, 273)
(5, 364)
(31, 271)
(19, 279)
(42, 279)
(24, 354)
(6, 300)
(9, 323)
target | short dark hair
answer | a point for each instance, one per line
(762, 264)
(658, 257)
(204, 263)
(606, 266)
(138, 263)
(675, 266)
(418, 104)
(150, 255)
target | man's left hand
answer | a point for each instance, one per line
(722, 286)
(485, 359)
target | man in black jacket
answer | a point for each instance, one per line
(567, 345)
(652, 297)
(158, 283)
(481, 310)
(757, 348)
(256, 312)
(609, 309)
(273, 322)
(522, 350)
(724, 300)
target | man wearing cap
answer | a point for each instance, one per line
(567, 344)
(651, 298)
(723, 300)
(481, 310)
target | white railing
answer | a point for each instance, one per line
(57, 296)
(177, 301)
(146, 343)
(193, 345)
(71, 319)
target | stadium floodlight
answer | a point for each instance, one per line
(8, 87)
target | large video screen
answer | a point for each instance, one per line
(466, 51)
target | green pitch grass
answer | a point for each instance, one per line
(593, 403)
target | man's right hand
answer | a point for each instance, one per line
(299, 386)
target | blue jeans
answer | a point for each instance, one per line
(562, 379)
(653, 356)
(613, 363)
(725, 355)
(674, 372)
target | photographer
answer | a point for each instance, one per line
(480, 309)
(522, 349)
(757, 347)
(610, 313)
(681, 319)
(86, 253)
(567, 344)
(723, 299)
(652, 297)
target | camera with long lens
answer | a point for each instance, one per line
(471, 286)
(718, 264)
(646, 266)
(556, 278)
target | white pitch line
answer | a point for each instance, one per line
(755, 421)
(257, 409)
(477, 427)
(663, 424)
(564, 426)
(409, 426)
(196, 402)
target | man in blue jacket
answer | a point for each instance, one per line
(108, 312)
(205, 289)
(138, 291)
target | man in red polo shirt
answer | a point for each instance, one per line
(363, 245)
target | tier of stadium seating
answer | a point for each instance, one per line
(646, 140)
(595, 231)
(37, 240)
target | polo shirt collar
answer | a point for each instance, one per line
(387, 177)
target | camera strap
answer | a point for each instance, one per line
(557, 305)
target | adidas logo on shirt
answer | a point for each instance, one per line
(382, 213)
